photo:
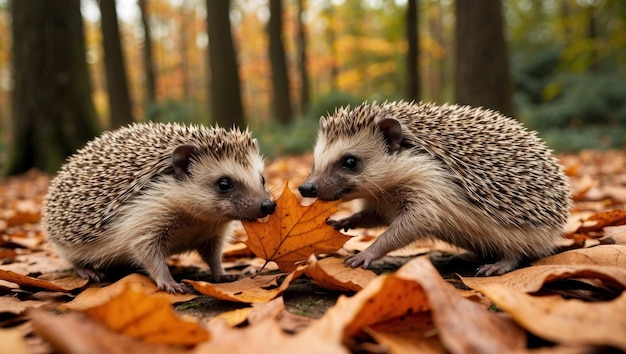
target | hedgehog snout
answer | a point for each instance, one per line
(268, 207)
(308, 190)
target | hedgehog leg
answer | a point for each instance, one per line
(211, 253)
(500, 267)
(153, 260)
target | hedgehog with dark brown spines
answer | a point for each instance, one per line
(138, 194)
(468, 176)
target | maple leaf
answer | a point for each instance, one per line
(294, 232)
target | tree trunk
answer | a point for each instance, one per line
(120, 110)
(305, 95)
(52, 114)
(482, 65)
(148, 60)
(280, 77)
(412, 57)
(226, 106)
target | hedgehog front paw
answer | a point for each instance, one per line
(90, 273)
(172, 287)
(350, 222)
(363, 259)
(498, 268)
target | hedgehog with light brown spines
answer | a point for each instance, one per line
(136, 195)
(468, 176)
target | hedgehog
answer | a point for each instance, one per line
(466, 175)
(136, 195)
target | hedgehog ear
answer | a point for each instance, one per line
(255, 143)
(392, 131)
(180, 160)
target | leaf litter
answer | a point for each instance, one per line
(571, 301)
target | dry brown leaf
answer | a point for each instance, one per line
(463, 326)
(265, 310)
(532, 279)
(415, 333)
(148, 318)
(99, 295)
(602, 219)
(232, 318)
(262, 288)
(265, 337)
(13, 342)
(26, 281)
(331, 273)
(9, 304)
(571, 322)
(602, 255)
(294, 232)
(75, 333)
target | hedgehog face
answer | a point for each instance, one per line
(225, 187)
(348, 166)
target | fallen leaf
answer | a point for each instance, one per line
(414, 333)
(463, 326)
(265, 337)
(148, 318)
(602, 219)
(572, 322)
(261, 288)
(26, 281)
(265, 310)
(331, 273)
(13, 342)
(533, 278)
(16, 306)
(294, 232)
(99, 295)
(602, 255)
(232, 318)
(77, 333)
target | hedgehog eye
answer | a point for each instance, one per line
(262, 180)
(224, 184)
(350, 163)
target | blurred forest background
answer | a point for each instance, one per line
(70, 69)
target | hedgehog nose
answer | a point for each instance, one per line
(268, 207)
(308, 190)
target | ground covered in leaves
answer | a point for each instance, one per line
(422, 298)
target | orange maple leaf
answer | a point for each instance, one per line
(294, 232)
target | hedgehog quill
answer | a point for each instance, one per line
(468, 176)
(136, 195)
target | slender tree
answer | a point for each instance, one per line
(412, 57)
(148, 60)
(305, 95)
(52, 114)
(482, 66)
(278, 61)
(120, 110)
(226, 106)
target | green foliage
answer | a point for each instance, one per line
(327, 103)
(277, 139)
(171, 110)
(576, 139)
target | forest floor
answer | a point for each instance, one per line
(422, 298)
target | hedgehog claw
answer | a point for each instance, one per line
(91, 274)
(173, 287)
(498, 268)
(360, 259)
